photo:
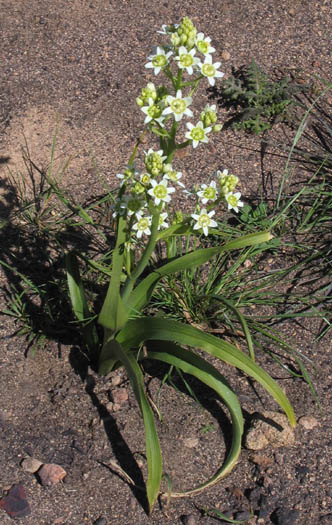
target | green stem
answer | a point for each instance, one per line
(195, 81)
(178, 80)
(170, 75)
(139, 140)
(183, 144)
(130, 281)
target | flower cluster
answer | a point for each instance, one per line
(191, 52)
(185, 42)
(152, 190)
(145, 197)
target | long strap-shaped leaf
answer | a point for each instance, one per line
(142, 293)
(79, 302)
(139, 330)
(153, 452)
(113, 314)
(193, 364)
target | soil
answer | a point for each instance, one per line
(78, 66)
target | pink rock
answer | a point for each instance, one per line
(50, 474)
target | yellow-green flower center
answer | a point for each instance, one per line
(209, 193)
(186, 60)
(172, 175)
(160, 191)
(178, 106)
(159, 61)
(204, 220)
(143, 224)
(146, 179)
(154, 111)
(202, 46)
(233, 201)
(208, 70)
(197, 133)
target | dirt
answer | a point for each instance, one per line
(78, 66)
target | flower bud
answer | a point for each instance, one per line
(217, 127)
(175, 39)
(178, 217)
(167, 168)
(139, 188)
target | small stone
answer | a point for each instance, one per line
(50, 474)
(225, 55)
(191, 442)
(284, 516)
(15, 502)
(269, 428)
(132, 503)
(190, 519)
(31, 465)
(254, 496)
(243, 515)
(308, 422)
(326, 519)
(100, 521)
(120, 396)
(116, 380)
(109, 407)
(261, 461)
(292, 11)
(182, 153)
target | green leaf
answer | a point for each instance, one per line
(142, 293)
(79, 302)
(193, 364)
(240, 317)
(115, 351)
(138, 330)
(176, 229)
(113, 314)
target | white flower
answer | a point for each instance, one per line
(209, 70)
(165, 30)
(132, 204)
(160, 191)
(187, 60)
(128, 173)
(145, 179)
(178, 106)
(197, 133)
(233, 200)
(172, 175)
(208, 193)
(204, 221)
(159, 60)
(153, 112)
(203, 44)
(162, 221)
(142, 225)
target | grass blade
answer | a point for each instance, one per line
(142, 293)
